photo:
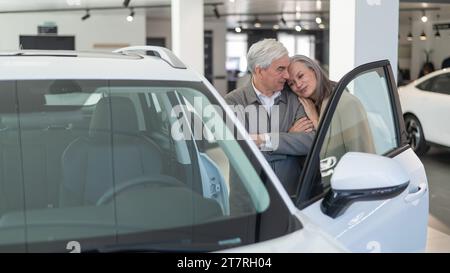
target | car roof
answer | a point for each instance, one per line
(58, 64)
(432, 74)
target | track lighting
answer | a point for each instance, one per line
(216, 12)
(126, 3)
(283, 21)
(86, 16)
(130, 17)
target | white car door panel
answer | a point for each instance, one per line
(374, 200)
(435, 113)
(383, 225)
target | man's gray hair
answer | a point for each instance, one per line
(263, 53)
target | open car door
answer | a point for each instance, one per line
(362, 182)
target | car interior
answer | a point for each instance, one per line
(96, 164)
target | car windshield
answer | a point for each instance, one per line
(107, 162)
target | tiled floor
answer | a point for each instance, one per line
(438, 242)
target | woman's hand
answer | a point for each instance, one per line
(302, 125)
(310, 110)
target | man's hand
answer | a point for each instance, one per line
(258, 139)
(302, 125)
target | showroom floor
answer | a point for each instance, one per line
(437, 166)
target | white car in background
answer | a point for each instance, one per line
(426, 108)
(90, 163)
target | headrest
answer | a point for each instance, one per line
(124, 118)
(64, 86)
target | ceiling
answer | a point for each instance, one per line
(308, 9)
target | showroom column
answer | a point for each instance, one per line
(362, 31)
(187, 32)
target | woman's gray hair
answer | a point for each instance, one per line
(324, 85)
(263, 53)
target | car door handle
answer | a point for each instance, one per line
(422, 189)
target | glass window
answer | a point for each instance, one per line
(298, 44)
(11, 179)
(100, 162)
(362, 122)
(426, 85)
(441, 84)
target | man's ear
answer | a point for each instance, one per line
(258, 70)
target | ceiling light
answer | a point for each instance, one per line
(276, 26)
(238, 29)
(437, 35)
(126, 3)
(424, 17)
(86, 16)
(257, 23)
(298, 28)
(130, 17)
(73, 2)
(423, 36)
(318, 20)
(319, 5)
(321, 26)
(410, 37)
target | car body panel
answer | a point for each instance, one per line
(392, 225)
(431, 109)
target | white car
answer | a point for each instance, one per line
(426, 107)
(92, 160)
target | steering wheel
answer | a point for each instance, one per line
(160, 179)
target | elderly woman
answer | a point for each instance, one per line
(349, 129)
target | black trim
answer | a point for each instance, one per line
(305, 186)
(395, 152)
(399, 122)
(336, 202)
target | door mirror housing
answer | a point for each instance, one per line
(363, 177)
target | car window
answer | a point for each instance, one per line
(100, 160)
(362, 122)
(441, 84)
(426, 85)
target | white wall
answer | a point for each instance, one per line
(98, 29)
(158, 28)
(219, 30)
(361, 32)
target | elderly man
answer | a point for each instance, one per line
(277, 111)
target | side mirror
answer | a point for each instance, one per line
(363, 177)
